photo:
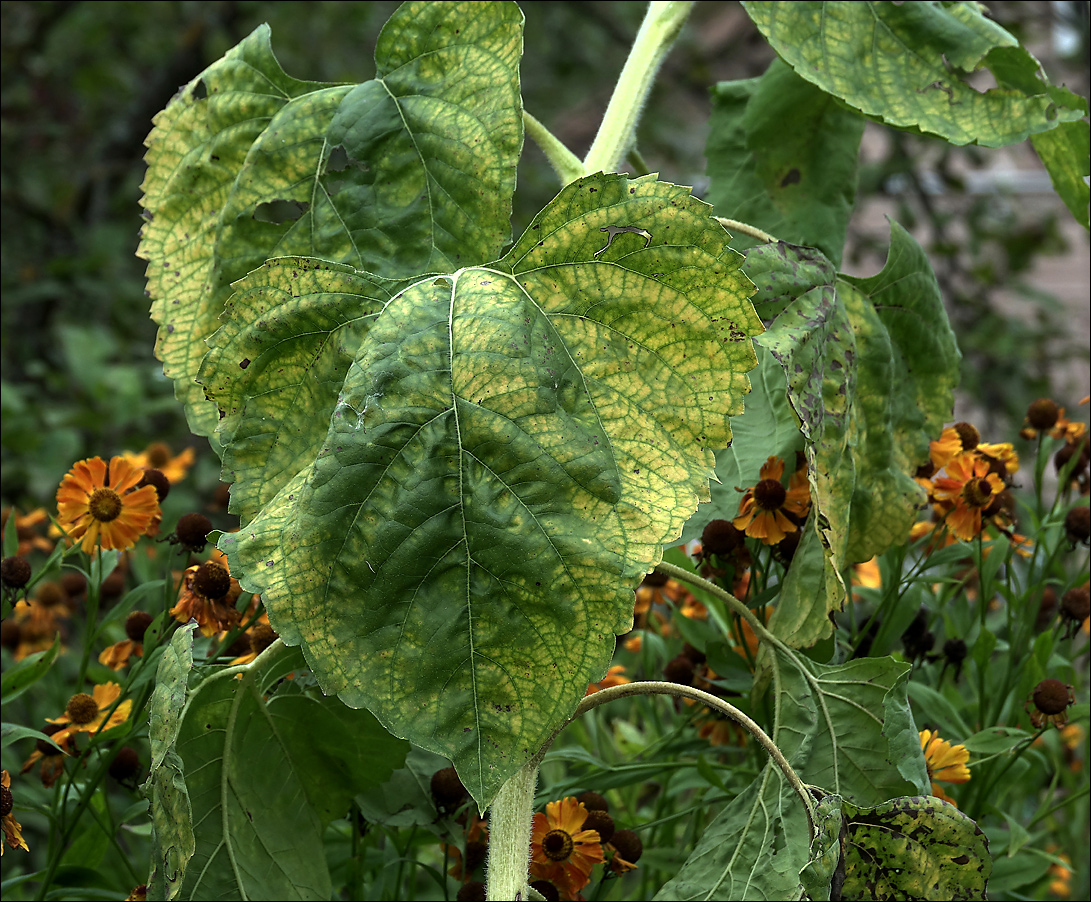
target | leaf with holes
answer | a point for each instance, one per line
(509, 451)
(409, 172)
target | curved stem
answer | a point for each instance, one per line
(745, 228)
(707, 698)
(662, 23)
(565, 163)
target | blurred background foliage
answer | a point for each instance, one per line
(81, 82)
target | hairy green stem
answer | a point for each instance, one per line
(753, 231)
(662, 23)
(509, 835)
(565, 163)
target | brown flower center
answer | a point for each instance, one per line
(557, 845)
(158, 455)
(769, 494)
(968, 435)
(105, 505)
(212, 580)
(81, 709)
(977, 492)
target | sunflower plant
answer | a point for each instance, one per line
(455, 454)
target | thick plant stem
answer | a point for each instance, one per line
(565, 163)
(510, 817)
(662, 23)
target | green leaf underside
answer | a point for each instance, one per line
(799, 183)
(902, 64)
(914, 848)
(871, 366)
(509, 451)
(409, 172)
(835, 726)
(234, 743)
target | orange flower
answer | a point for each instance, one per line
(13, 830)
(88, 713)
(157, 456)
(613, 678)
(208, 595)
(765, 508)
(104, 506)
(561, 851)
(968, 488)
(945, 762)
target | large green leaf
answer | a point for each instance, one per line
(871, 366)
(840, 727)
(409, 172)
(274, 369)
(782, 156)
(905, 64)
(235, 741)
(511, 448)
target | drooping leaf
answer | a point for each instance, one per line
(871, 367)
(408, 172)
(1066, 153)
(782, 156)
(234, 743)
(906, 64)
(914, 848)
(823, 876)
(511, 448)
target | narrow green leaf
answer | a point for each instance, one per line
(796, 182)
(24, 674)
(914, 848)
(905, 64)
(510, 450)
(172, 820)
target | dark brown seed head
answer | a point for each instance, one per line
(1076, 604)
(1077, 524)
(7, 803)
(629, 846)
(155, 478)
(769, 495)
(81, 708)
(136, 624)
(1043, 413)
(15, 572)
(471, 891)
(192, 531)
(447, 789)
(126, 764)
(602, 822)
(679, 670)
(1052, 696)
(212, 580)
(968, 435)
(593, 801)
(47, 748)
(720, 537)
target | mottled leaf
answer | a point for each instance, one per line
(797, 183)
(907, 64)
(275, 368)
(408, 172)
(1066, 153)
(914, 848)
(511, 448)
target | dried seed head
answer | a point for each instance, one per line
(601, 822)
(592, 801)
(157, 479)
(1077, 524)
(192, 531)
(81, 709)
(15, 572)
(212, 580)
(629, 846)
(968, 435)
(1052, 696)
(1043, 413)
(720, 537)
(136, 624)
(126, 764)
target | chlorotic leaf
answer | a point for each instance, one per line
(1066, 153)
(914, 848)
(511, 448)
(410, 171)
(276, 365)
(906, 64)
(797, 183)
